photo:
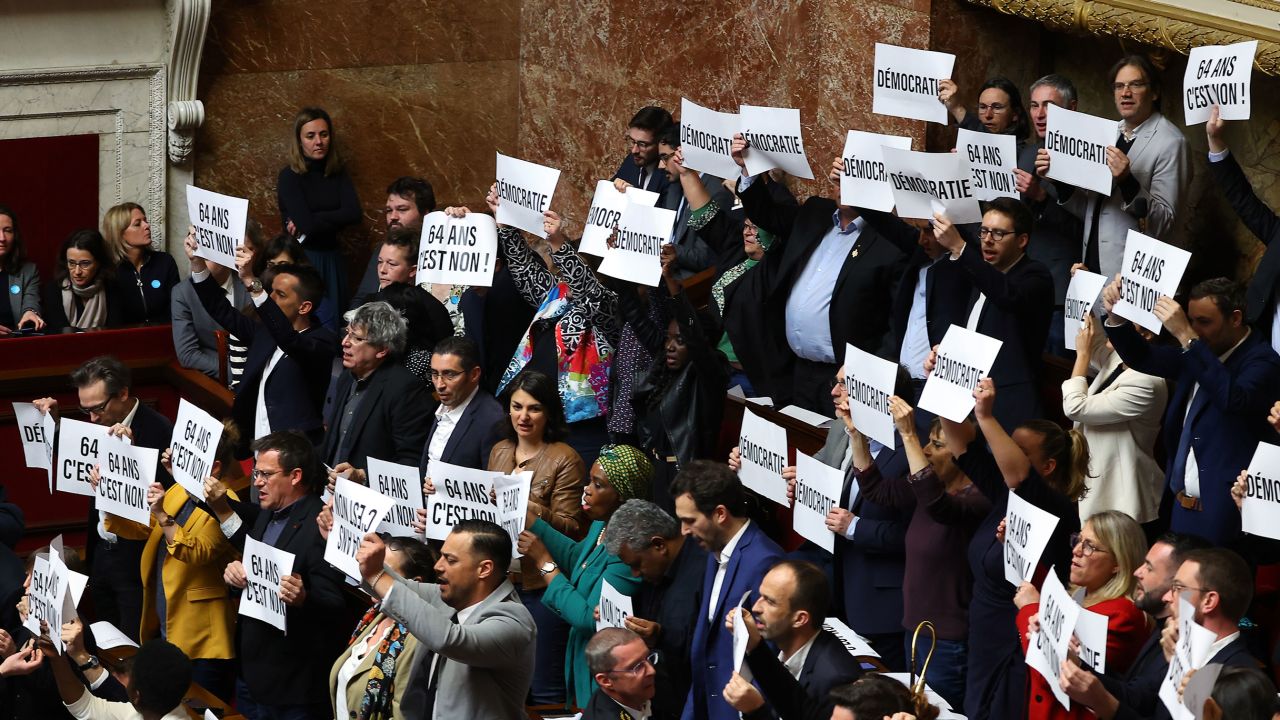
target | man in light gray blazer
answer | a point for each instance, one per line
(479, 636)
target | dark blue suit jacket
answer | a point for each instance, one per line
(711, 656)
(390, 423)
(630, 172)
(828, 666)
(1227, 418)
(473, 438)
(869, 568)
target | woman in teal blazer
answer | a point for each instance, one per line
(575, 570)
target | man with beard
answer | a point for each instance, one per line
(640, 167)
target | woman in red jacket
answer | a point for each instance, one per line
(1110, 546)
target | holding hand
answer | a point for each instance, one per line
(1085, 336)
(949, 94)
(371, 557)
(736, 150)
(948, 236)
(1240, 488)
(742, 695)
(904, 417)
(743, 615)
(292, 591)
(984, 399)
(1029, 185)
(647, 629)
(1027, 594)
(189, 244)
(735, 456)
(531, 545)
(552, 224)
(838, 520)
(1174, 320)
(234, 575)
(1111, 295)
(324, 520)
(837, 169)
(23, 662)
(492, 198)
(1213, 130)
(1273, 417)
(244, 264)
(1118, 162)
(155, 499)
(1042, 162)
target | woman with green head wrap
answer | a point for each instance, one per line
(576, 570)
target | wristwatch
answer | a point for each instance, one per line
(255, 287)
(89, 664)
(548, 567)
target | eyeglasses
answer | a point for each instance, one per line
(642, 144)
(649, 660)
(666, 157)
(354, 338)
(264, 474)
(81, 264)
(448, 375)
(96, 409)
(993, 107)
(1087, 548)
(1178, 588)
(834, 383)
(994, 234)
(1131, 85)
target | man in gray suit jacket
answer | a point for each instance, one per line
(479, 635)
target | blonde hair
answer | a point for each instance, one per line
(1123, 538)
(298, 161)
(114, 222)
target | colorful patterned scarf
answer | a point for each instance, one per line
(381, 688)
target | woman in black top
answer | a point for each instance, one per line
(317, 199)
(83, 294)
(144, 277)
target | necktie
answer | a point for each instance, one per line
(433, 683)
(641, 183)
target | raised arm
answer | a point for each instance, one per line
(1013, 463)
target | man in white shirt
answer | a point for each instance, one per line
(464, 429)
(1218, 584)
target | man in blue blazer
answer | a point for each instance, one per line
(640, 167)
(711, 506)
(465, 426)
(1227, 377)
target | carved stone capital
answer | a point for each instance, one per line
(1176, 25)
(189, 20)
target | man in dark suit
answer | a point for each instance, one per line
(378, 408)
(649, 541)
(290, 353)
(626, 677)
(465, 426)
(1227, 377)
(284, 674)
(693, 254)
(794, 597)
(1011, 300)
(833, 283)
(711, 506)
(640, 168)
(193, 338)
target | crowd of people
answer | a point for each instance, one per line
(611, 397)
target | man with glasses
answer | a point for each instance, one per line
(464, 428)
(625, 670)
(640, 167)
(1219, 585)
(106, 399)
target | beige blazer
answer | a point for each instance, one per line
(356, 686)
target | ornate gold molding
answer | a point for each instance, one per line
(1179, 25)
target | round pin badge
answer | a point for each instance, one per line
(14, 289)
(155, 284)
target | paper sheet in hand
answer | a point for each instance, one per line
(818, 487)
(1150, 269)
(906, 82)
(356, 511)
(513, 504)
(1048, 647)
(705, 138)
(964, 358)
(925, 183)
(194, 446)
(642, 231)
(992, 158)
(220, 224)
(807, 416)
(615, 607)
(852, 641)
(402, 484)
(264, 565)
(46, 596)
(1091, 630)
(864, 182)
(740, 638)
(457, 251)
(31, 430)
(1218, 75)
(78, 443)
(763, 447)
(1026, 533)
(109, 637)
(1082, 293)
(524, 193)
(1077, 145)
(606, 210)
(1260, 514)
(869, 381)
(1190, 653)
(461, 494)
(774, 140)
(126, 471)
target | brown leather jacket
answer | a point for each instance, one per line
(555, 495)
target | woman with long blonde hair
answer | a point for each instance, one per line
(145, 276)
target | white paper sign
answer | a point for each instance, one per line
(1190, 653)
(857, 645)
(457, 251)
(869, 381)
(1077, 145)
(930, 694)
(220, 224)
(125, 473)
(356, 511)
(1151, 268)
(50, 427)
(992, 158)
(76, 583)
(615, 607)
(774, 140)
(741, 636)
(964, 358)
(1091, 630)
(864, 182)
(1027, 531)
(818, 487)
(1218, 75)
(78, 444)
(763, 448)
(47, 596)
(906, 82)
(1082, 293)
(461, 494)
(1048, 647)
(513, 504)
(925, 183)
(31, 430)
(642, 231)
(524, 193)
(109, 637)
(194, 446)
(1260, 513)
(403, 485)
(705, 139)
(606, 210)
(264, 566)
